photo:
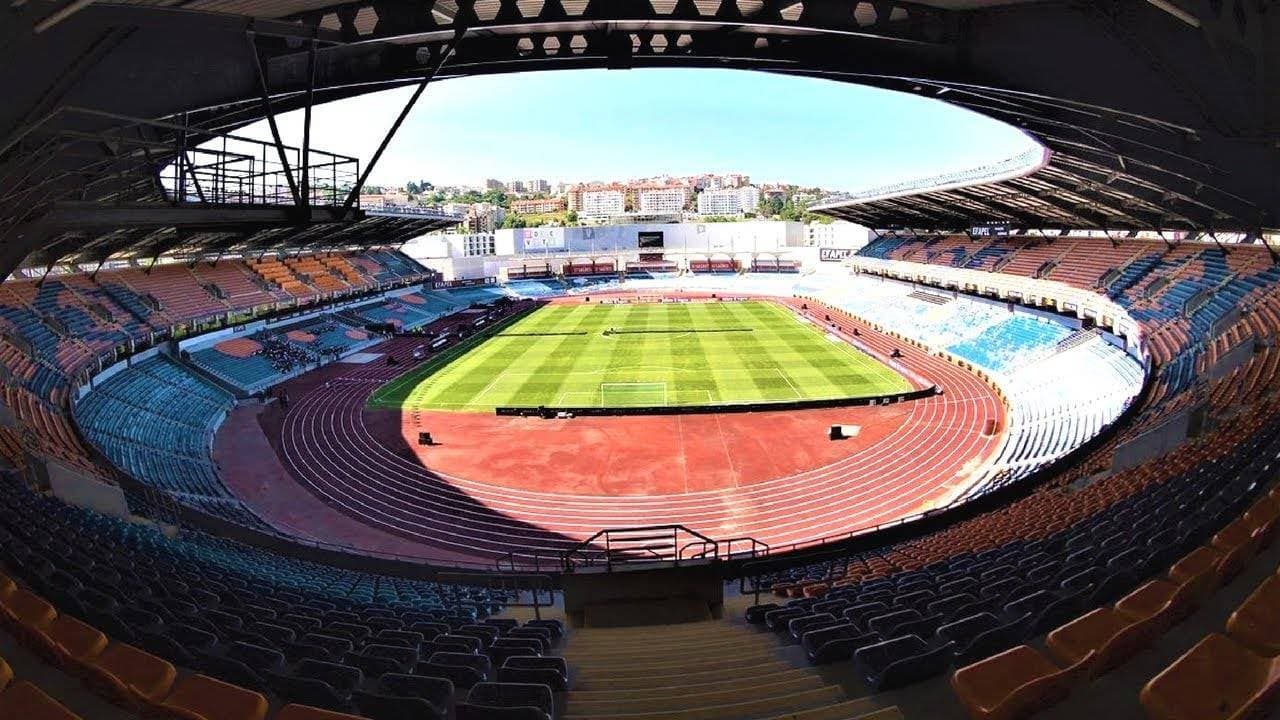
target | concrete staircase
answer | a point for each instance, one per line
(709, 670)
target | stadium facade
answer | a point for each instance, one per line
(454, 255)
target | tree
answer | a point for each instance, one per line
(790, 211)
(571, 217)
(497, 197)
(514, 221)
(770, 206)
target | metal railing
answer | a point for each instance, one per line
(430, 211)
(649, 544)
(521, 590)
(93, 155)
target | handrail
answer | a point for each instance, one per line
(653, 543)
(534, 584)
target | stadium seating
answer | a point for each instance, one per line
(1099, 568)
(155, 421)
(251, 621)
(254, 362)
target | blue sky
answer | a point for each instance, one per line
(605, 125)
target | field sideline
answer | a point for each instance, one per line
(644, 354)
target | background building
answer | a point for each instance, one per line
(483, 218)
(839, 234)
(668, 199)
(728, 201)
(603, 203)
(535, 206)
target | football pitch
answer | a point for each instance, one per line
(628, 355)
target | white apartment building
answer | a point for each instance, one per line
(537, 186)
(662, 200)
(603, 203)
(728, 201)
(838, 234)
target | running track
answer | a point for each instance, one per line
(327, 446)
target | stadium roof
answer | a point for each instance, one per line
(1159, 114)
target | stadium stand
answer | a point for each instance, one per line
(55, 330)
(1098, 568)
(128, 606)
(155, 421)
(264, 358)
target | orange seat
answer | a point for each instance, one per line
(68, 642)
(1161, 602)
(1238, 546)
(1107, 635)
(1264, 517)
(1256, 623)
(1013, 684)
(1215, 679)
(1235, 534)
(203, 698)
(6, 674)
(7, 586)
(130, 676)
(306, 712)
(26, 609)
(1200, 567)
(28, 702)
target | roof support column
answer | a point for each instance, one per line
(445, 53)
(271, 119)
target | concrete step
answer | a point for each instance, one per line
(728, 646)
(849, 710)
(621, 702)
(728, 638)
(717, 682)
(628, 667)
(662, 655)
(758, 708)
(621, 680)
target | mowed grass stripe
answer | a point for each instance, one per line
(761, 362)
(559, 359)
(827, 369)
(700, 383)
(396, 393)
(775, 358)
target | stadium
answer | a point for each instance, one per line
(270, 451)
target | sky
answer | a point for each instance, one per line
(582, 125)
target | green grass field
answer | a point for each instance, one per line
(643, 354)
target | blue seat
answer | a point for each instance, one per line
(886, 623)
(799, 626)
(947, 606)
(308, 691)
(460, 675)
(825, 645)
(550, 671)
(859, 614)
(377, 706)
(901, 661)
(508, 700)
(342, 678)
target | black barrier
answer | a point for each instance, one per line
(549, 411)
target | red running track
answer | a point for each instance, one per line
(365, 469)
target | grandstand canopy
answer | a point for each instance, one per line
(1163, 114)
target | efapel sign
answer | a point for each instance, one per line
(830, 254)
